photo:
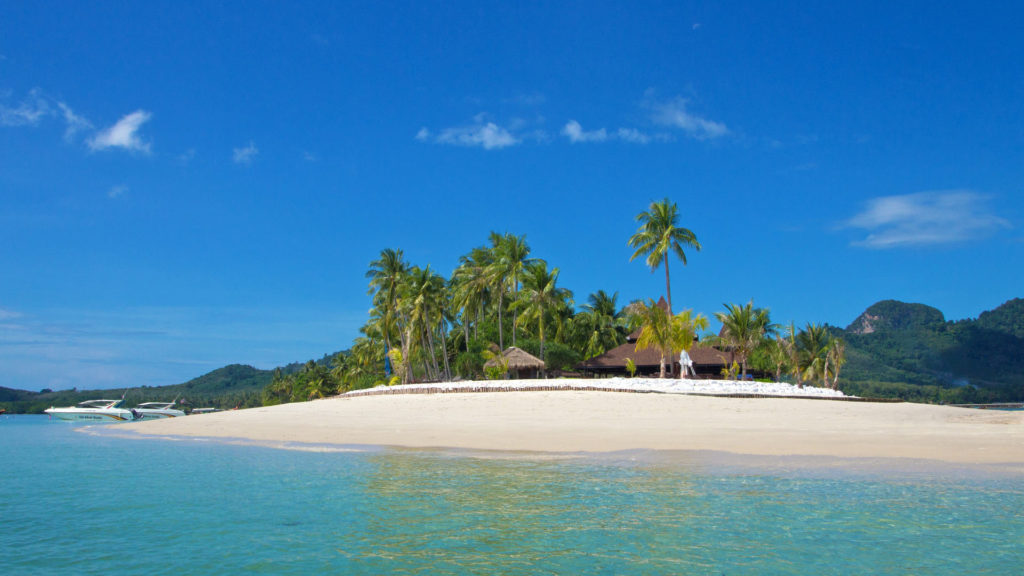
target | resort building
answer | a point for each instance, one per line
(708, 361)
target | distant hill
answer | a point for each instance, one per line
(910, 350)
(232, 386)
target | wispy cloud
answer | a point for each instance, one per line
(37, 106)
(124, 134)
(116, 191)
(480, 134)
(926, 218)
(75, 123)
(246, 155)
(632, 135)
(575, 132)
(674, 114)
(28, 113)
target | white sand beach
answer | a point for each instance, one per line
(598, 421)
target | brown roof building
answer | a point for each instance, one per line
(708, 361)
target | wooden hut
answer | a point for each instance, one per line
(521, 364)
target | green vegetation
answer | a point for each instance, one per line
(910, 351)
(744, 329)
(660, 234)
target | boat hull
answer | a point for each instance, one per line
(91, 415)
(158, 414)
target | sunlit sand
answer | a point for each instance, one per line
(595, 421)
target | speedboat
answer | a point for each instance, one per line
(94, 411)
(155, 410)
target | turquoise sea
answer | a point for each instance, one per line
(90, 501)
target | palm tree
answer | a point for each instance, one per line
(668, 334)
(654, 330)
(813, 343)
(744, 328)
(660, 234)
(836, 358)
(540, 297)
(386, 275)
(598, 324)
(426, 293)
(684, 330)
(510, 259)
(471, 288)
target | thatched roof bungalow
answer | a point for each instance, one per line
(521, 364)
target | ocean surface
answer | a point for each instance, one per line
(87, 500)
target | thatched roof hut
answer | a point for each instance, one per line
(521, 364)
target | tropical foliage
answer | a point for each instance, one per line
(744, 329)
(658, 236)
(667, 334)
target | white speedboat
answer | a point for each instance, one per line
(94, 411)
(155, 410)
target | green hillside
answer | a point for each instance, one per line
(911, 351)
(227, 387)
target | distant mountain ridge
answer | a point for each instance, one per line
(232, 386)
(895, 344)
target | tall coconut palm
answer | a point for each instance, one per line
(426, 293)
(471, 287)
(660, 234)
(386, 275)
(744, 328)
(510, 258)
(540, 297)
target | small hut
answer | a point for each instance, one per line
(521, 364)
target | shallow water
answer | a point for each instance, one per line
(90, 503)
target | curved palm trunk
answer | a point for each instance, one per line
(444, 351)
(668, 287)
(668, 294)
(501, 339)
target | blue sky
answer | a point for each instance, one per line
(188, 185)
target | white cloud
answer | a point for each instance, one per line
(486, 135)
(28, 113)
(75, 123)
(574, 131)
(245, 155)
(116, 191)
(674, 114)
(926, 218)
(632, 135)
(8, 314)
(123, 134)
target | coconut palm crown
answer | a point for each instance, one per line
(658, 236)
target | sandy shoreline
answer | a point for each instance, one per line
(591, 421)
